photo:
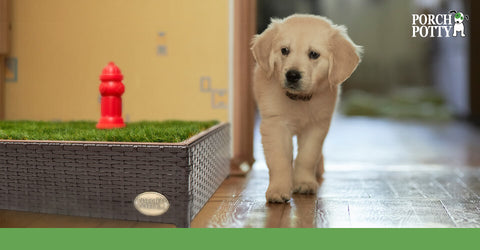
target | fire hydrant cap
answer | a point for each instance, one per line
(111, 72)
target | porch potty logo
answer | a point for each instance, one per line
(440, 25)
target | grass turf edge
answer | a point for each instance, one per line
(170, 131)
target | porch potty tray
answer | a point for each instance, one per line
(153, 182)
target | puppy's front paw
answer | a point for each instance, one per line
(278, 194)
(305, 187)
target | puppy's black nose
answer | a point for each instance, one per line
(293, 76)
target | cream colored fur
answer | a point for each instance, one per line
(282, 117)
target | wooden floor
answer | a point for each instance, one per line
(379, 173)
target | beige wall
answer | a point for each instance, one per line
(62, 45)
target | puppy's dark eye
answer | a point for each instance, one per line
(285, 51)
(313, 55)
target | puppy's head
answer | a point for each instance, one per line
(302, 52)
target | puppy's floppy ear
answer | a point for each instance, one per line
(262, 48)
(344, 56)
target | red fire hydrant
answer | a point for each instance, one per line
(111, 90)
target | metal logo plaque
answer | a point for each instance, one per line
(151, 203)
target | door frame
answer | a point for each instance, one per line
(242, 113)
(474, 63)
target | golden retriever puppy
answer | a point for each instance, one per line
(301, 61)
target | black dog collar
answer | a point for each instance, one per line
(295, 97)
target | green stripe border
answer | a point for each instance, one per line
(239, 238)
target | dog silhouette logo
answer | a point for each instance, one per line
(458, 26)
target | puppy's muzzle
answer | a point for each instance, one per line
(293, 77)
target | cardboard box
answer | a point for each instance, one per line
(164, 48)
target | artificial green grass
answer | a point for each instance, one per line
(145, 131)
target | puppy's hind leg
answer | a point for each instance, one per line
(278, 150)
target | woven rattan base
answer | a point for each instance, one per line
(100, 179)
